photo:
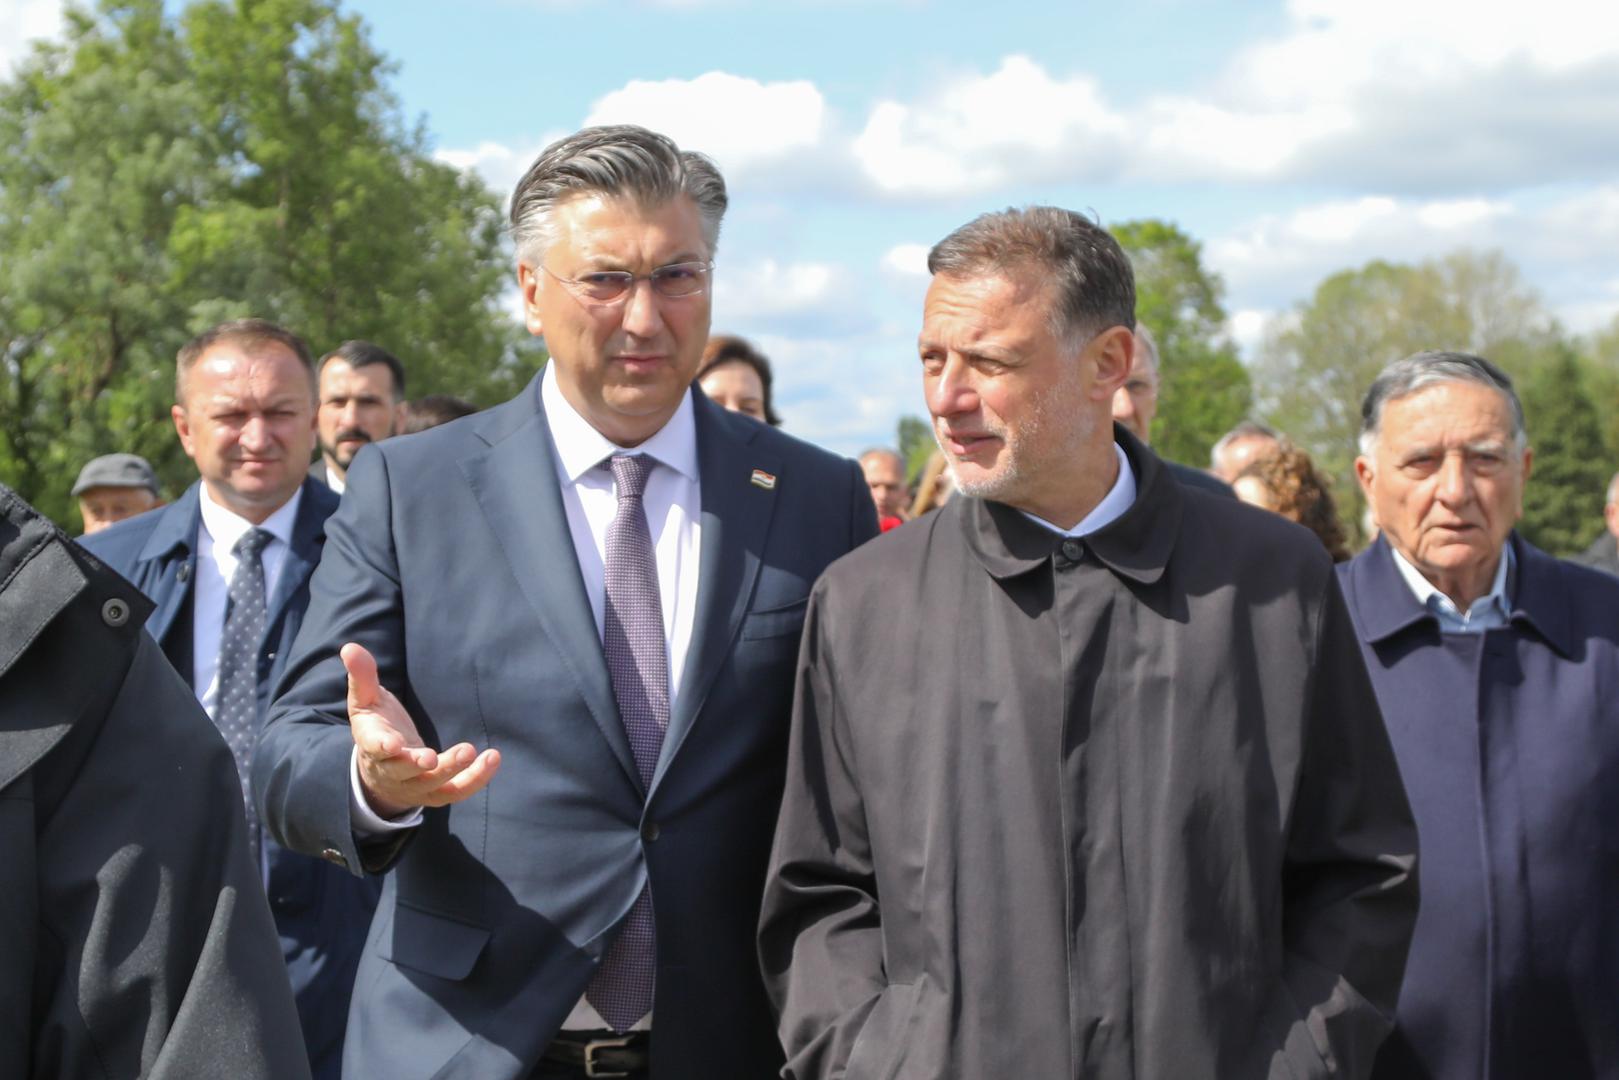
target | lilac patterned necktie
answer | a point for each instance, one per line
(638, 662)
(237, 712)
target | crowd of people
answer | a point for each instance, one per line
(613, 731)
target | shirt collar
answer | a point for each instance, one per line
(1119, 498)
(225, 526)
(581, 448)
(1493, 603)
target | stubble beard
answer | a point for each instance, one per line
(1020, 468)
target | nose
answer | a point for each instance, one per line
(643, 318)
(350, 416)
(953, 392)
(256, 433)
(1455, 481)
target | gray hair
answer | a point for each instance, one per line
(620, 160)
(1425, 369)
(1147, 345)
(1245, 429)
(1096, 289)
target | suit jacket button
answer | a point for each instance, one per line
(1073, 550)
(115, 612)
(649, 831)
(332, 855)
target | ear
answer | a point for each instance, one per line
(1365, 473)
(1528, 467)
(1112, 351)
(529, 285)
(182, 427)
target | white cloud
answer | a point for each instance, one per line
(1564, 247)
(1247, 328)
(1525, 95)
(22, 22)
(740, 122)
(817, 299)
(985, 132)
(501, 166)
(907, 260)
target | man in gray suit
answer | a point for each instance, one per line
(546, 672)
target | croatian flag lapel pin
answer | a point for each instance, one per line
(762, 479)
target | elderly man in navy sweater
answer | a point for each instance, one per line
(1497, 669)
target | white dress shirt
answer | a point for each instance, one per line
(216, 563)
(673, 505)
(1489, 612)
(334, 479)
(1119, 498)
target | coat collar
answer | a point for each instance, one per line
(41, 574)
(1137, 545)
(1385, 605)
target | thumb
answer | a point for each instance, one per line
(364, 689)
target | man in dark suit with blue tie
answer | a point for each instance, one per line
(545, 678)
(227, 567)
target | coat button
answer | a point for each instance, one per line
(115, 612)
(649, 831)
(332, 855)
(1072, 550)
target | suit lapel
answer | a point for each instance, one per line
(515, 482)
(171, 555)
(736, 517)
(308, 535)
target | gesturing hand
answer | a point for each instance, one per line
(397, 772)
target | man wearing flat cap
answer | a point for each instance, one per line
(113, 487)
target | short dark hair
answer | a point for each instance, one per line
(1096, 289)
(252, 335)
(432, 410)
(727, 349)
(620, 160)
(358, 354)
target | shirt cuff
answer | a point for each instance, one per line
(366, 822)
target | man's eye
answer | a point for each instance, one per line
(676, 273)
(604, 278)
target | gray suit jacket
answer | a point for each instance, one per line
(137, 940)
(451, 560)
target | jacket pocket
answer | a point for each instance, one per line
(776, 622)
(879, 1047)
(431, 943)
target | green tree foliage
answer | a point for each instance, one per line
(1205, 387)
(1562, 505)
(1315, 366)
(242, 157)
(916, 445)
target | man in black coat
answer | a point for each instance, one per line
(137, 938)
(1110, 797)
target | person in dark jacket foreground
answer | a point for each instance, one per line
(138, 941)
(1146, 823)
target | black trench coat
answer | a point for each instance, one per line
(1119, 807)
(134, 935)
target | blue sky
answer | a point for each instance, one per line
(1293, 138)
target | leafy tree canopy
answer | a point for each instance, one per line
(165, 172)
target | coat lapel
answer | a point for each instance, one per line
(735, 519)
(515, 483)
(169, 561)
(308, 536)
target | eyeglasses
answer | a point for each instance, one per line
(672, 281)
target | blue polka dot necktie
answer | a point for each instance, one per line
(237, 713)
(638, 662)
